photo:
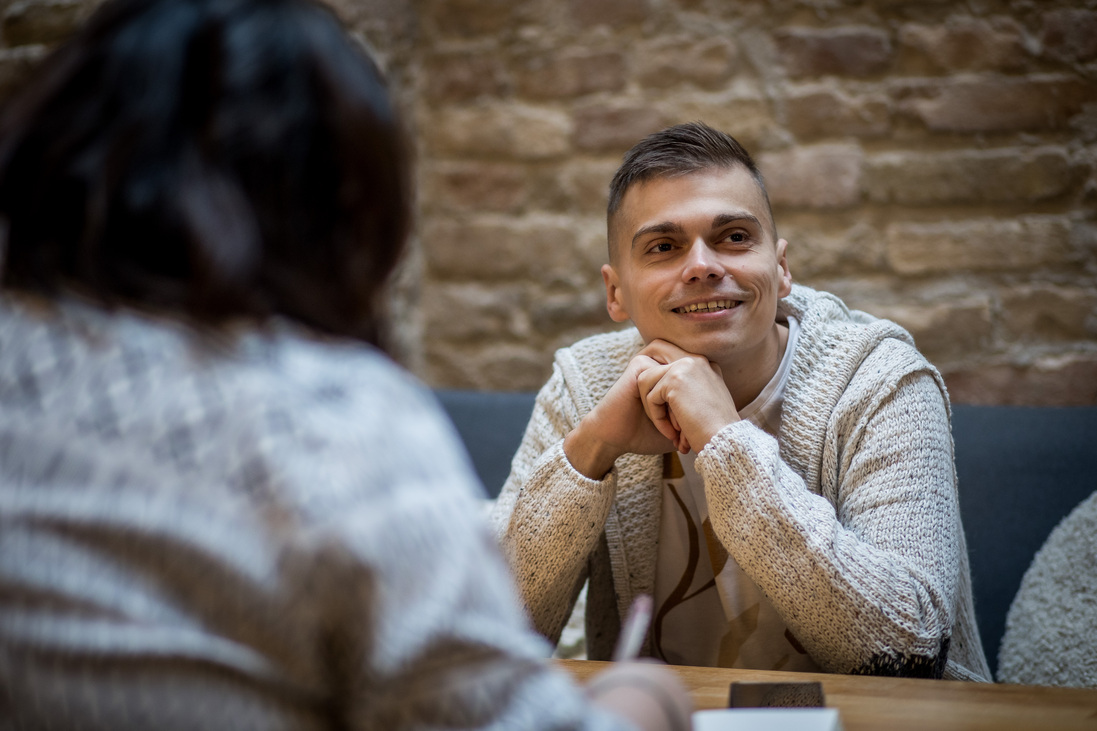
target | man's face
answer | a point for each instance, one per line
(694, 262)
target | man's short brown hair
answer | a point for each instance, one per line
(678, 150)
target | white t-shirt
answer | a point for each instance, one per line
(707, 611)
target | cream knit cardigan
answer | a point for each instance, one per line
(849, 521)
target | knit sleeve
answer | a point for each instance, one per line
(423, 628)
(867, 583)
(548, 516)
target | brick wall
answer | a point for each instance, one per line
(934, 162)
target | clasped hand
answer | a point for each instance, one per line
(666, 399)
(682, 394)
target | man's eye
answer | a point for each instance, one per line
(662, 247)
(738, 237)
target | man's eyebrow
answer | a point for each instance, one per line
(666, 227)
(724, 219)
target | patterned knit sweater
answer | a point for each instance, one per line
(245, 534)
(849, 521)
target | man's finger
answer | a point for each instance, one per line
(654, 402)
(681, 443)
(657, 414)
(664, 351)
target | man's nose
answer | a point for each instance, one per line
(701, 263)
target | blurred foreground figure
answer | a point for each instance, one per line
(215, 510)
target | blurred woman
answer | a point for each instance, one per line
(221, 504)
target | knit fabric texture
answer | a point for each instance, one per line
(243, 533)
(849, 521)
(1051, 628)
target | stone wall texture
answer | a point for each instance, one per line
(931, 161)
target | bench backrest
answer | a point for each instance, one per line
(1021, 470)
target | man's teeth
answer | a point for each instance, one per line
(712, 306)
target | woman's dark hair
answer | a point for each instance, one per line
(214, 159)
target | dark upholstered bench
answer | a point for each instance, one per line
(491, 424)
(1021, 470)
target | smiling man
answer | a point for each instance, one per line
(775, 469)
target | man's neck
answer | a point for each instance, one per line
(747, 376)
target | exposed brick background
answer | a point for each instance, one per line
(930, 161)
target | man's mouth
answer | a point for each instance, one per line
(710, 306)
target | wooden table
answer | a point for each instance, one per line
(887, 704)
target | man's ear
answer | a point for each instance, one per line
(784, 286)
(615, 303)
